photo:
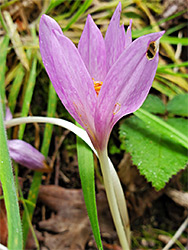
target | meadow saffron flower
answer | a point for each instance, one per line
(99, 82)
(104, 79)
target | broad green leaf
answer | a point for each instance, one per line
(179, 123)
(154, 105)
(9, 191)
(156, 155)
(164, 127)
(178, 105)
(86, 170)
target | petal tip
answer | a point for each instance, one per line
(119, 6)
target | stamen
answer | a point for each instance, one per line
(117, 108)
(97, 86)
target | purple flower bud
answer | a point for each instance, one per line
(26, 155)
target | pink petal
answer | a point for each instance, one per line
(8, 115)
(126, 84)
(92, 50)
(128, 36)
(46, 27)
(26, 155)
(114, 38)
(68, 73)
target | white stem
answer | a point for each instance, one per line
(104, 161)
(2, 247)
(55, 121)
(118, 200)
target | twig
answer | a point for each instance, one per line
(177, 234)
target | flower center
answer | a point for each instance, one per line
(97, 86)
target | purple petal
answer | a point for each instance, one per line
(8, 115)
(92, 50)
(128, 36)
(114, 38)
(126, 84)
(68, 73)
(46, 28)
(26, 155)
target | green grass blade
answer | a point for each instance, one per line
(3, 56)
(15, 88)
(168, 83)
(175, 28)
(2, 21)
(52, 103)
(71, 11)
(168, 130)
(9, 190)
(53, 4)
(86, 170)
(33, 192)
(28, 95)
(174, 40)
(16, 39)
(173, 65)
(32, 199)
(163, 89)
(165, 71)
(80, 11)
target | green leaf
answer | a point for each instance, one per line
(86, 170)
(163, 89)
(165, 128)
(173, 65)
(3, 56)
(16, 39)
(175, 28)
(154, 105)
(53, 4)
(178, 105)
(33, 192)
(9, 191)
(179, 123)
(156, 155)
(80, 11)
(28, 95)
(165, 71)
(174, 40)
(15, 88)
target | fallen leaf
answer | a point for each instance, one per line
(70, 228)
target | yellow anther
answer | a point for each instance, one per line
(97, 86)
